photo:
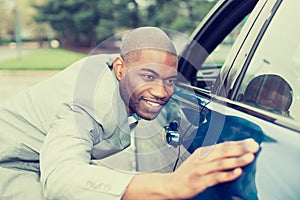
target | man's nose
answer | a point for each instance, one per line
(159, 90)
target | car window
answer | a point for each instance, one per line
(206, 76)
(272, 79)
(218, 56)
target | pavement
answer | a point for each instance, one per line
(15, 81)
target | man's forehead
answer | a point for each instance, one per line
(156, 67)
(149, 56)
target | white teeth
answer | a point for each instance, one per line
(153, 104)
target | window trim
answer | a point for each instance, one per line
(233, 94)
(216, 27)
(262, 114)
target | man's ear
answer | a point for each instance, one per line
(119, 68)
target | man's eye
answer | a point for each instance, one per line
(171, 81)
(148, 77)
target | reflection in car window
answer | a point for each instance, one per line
(210, 69)
(269, 92)
(276, 67)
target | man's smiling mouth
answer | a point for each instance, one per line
(154, 104)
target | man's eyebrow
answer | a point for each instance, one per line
(150, 70)
(155, 73)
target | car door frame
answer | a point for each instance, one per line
(209, 34)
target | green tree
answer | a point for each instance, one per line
(73, 21)
(179, 15)
(117, 16)
(85, 23)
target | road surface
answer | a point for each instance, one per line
(14, 81)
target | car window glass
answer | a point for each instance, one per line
(210, 69)
(272, 80)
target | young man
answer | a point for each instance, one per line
(50, 133)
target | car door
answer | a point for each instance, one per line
(228, 114)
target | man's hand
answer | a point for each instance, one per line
(206, 167)
(211, 165)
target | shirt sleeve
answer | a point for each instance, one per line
(65, 161)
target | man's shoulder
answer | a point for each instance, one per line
(105, 59)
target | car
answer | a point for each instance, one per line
(240, 78)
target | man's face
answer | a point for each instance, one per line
(148, 82)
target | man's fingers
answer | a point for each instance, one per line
(227, 149)
(225, 164)
(200, 183)
(221, 177)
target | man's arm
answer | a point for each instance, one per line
(65, 161)
(206, 167)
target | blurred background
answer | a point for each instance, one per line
(38, 38)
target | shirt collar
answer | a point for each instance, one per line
(133, 118)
